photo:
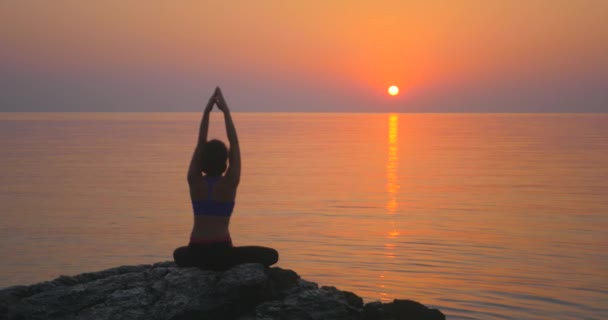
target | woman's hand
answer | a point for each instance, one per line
(221, 102)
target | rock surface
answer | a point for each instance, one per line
(164, 291)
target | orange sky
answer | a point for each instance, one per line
(342, 53)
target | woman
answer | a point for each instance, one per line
(213, 186)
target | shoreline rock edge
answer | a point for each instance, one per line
(164, 291)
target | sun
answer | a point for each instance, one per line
(393, 90)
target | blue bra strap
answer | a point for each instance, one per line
(211, 183)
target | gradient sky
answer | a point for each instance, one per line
(446, 56)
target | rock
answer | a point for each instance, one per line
(324, 303)
(164, 291)
(400, 310)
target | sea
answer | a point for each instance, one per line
(483, 216)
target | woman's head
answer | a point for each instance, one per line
(215, 156)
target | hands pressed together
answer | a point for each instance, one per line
(217, 98)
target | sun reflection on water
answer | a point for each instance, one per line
(392, 190)
(392, 164)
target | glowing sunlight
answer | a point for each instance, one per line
(393, 90)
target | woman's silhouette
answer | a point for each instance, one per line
(213, 185)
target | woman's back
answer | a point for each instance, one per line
(213, 200)
(218, 189)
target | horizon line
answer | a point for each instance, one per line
(329, 112)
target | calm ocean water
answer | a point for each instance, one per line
(484, 216)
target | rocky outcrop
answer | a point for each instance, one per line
(164, 291)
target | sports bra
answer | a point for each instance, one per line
(209, 206)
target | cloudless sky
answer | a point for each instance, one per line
(445, 56)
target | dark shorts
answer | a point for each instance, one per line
(222, 255)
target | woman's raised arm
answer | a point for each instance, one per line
(195, 169)
(233, 173)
